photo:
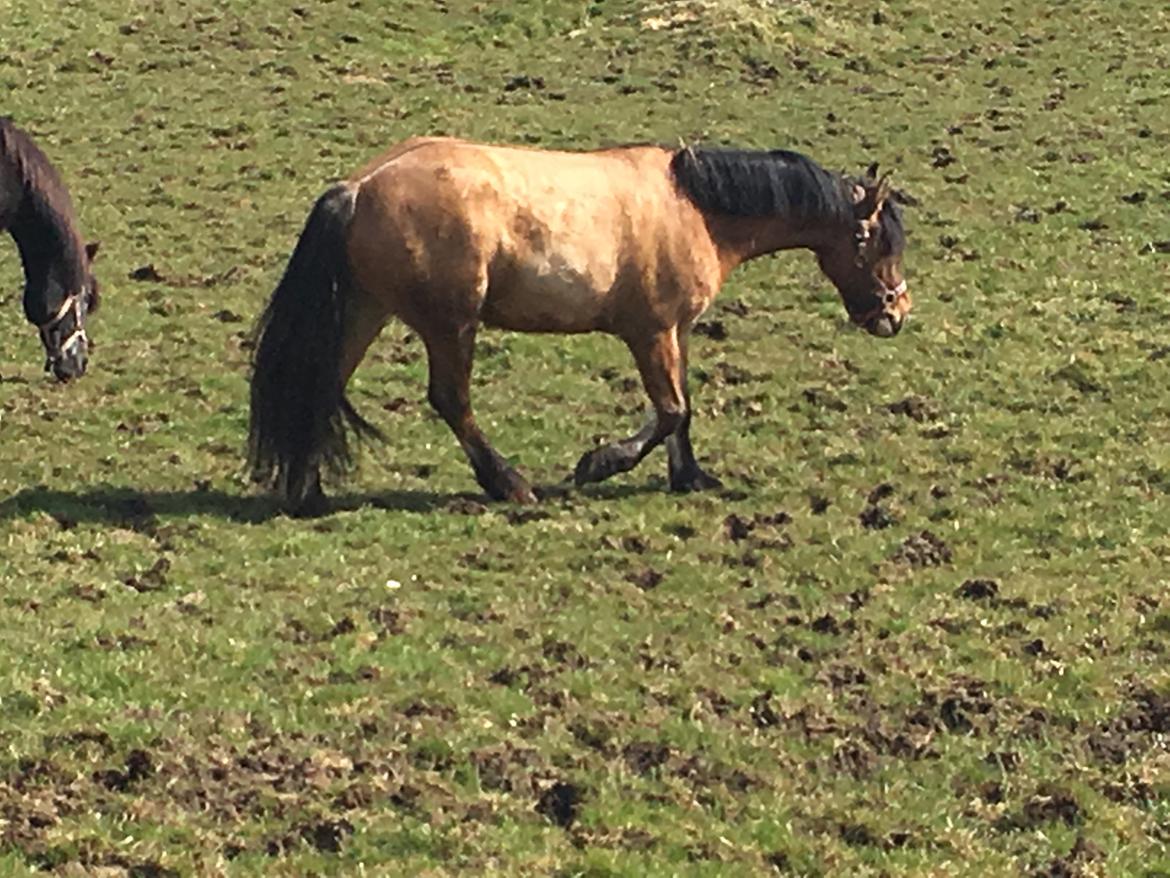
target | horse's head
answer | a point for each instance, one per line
(865, 262)
(59, 314)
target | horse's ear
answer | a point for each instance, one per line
(91, 250)
(901, 196)
(870, 194)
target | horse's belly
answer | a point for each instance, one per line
(550, 293)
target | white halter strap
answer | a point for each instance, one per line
(72, 304)
(69, 302)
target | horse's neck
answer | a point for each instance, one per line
(45, 251)
(743, 238)
(11, 193)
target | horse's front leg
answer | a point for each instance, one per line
(658, 359)
(685, 472)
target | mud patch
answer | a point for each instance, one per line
(507, 769)
(563, 655)
(704, 774)
(737, 528)
(1083, 853)
(594, 733)
(820, 398)
(854, 759)
(1134, 731)
(978, 590)
(964, 706)
(154, 579)
(643, 757)
(325, 836)
(875, 515)
(137, 767)
(387, 620)
(716, 330)
(560, 803)
(762, 713)
(1050, 804)
(924, 549)
(646, 579)
(916, 408)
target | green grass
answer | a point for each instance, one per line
(189, 682)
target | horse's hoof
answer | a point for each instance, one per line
(313, 506)
(697, 480)
(519, 491)
(523, 495)
(311, 503)
(592, 467)
(511, 487)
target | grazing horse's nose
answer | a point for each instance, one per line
(71, 365)
(885, 325)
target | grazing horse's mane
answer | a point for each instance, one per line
(47, 203)
(757, 183)
(774, 183)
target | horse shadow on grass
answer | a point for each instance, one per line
(122, 506)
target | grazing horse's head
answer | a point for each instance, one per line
(865, 263)
(58, 311)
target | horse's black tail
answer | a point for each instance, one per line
(300, 418)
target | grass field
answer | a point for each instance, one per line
(922, 631)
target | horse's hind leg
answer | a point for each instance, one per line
(365, 318)
(449, 356)
(685, 472)
(658, 360)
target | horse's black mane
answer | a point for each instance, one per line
(757, 183)
(47, 208)
(773, 183)
(890, 228)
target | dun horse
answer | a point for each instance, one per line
(449, 235)
(59, 286)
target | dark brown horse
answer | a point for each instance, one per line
(449, 235)
(59, 286)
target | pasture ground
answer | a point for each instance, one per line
(922, 632)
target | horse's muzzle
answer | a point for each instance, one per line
(68, 355)
(885, 325)
(885, 321)
(69, 363)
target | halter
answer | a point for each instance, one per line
(72, 304)
(891, 296)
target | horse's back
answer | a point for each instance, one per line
(550, 240)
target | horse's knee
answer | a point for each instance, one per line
(670, 420)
